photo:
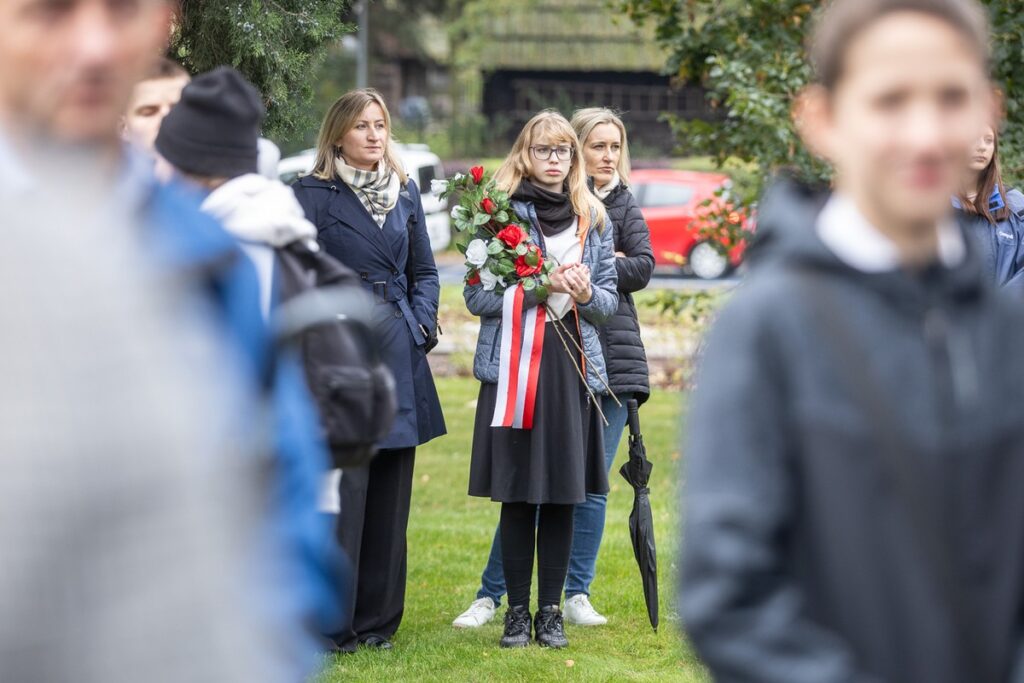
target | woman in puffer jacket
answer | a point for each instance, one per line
(606, 157)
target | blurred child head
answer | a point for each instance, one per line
(901, 94)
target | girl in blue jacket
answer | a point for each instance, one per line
(984, 212)
(538, 475)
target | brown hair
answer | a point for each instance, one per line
(843, 20)
(584, 121)
(340, 119)
(990, 179)
(551, 127)
(166, 68)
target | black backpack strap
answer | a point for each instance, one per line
(915, 496)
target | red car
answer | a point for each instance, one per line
(670, 202)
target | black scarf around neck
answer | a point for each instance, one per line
(554, 210)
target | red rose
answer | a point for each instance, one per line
(512, 235)
(488, 206)
(474, 278)
(478, 174)
(523, 268)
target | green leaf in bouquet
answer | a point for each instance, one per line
(461, 247)
(481, 218)
(495, 247)
(542, 292)
(532, 258)
(501, 217)
(522, 249)
(529, 284)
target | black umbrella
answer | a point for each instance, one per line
(637, 471)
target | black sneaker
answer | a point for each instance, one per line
(549, 627)
(517, 627)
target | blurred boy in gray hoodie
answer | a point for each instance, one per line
(856, 451)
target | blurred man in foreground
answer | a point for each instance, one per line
(128, 490)
(67, 70)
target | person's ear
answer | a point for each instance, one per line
(812, 118)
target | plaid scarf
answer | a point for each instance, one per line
(377, 190)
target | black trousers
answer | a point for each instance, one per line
(371, 530)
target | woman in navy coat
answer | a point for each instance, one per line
(365, 208)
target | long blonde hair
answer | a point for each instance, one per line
(339, 120)
(553, 128)
(584, 121)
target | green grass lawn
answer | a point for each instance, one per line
(450, 536)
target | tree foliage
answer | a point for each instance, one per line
(277, 44)
(750, 56)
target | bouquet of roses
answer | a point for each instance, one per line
(501, 258)
(495, 242)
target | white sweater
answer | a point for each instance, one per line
(563, 247)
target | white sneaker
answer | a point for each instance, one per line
(478, 614)
(580, 612)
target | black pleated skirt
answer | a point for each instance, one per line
(561, 459)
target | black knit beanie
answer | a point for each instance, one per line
(213, 129)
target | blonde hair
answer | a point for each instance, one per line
(339, 120)
(584, 121)
(551, 127)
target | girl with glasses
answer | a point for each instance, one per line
(539, 474)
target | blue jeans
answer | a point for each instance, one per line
(588, 522)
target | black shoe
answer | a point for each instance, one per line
(377, 643)
(517, 627)
(549, 627)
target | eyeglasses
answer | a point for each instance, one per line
(544, 152)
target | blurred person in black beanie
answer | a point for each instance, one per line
(210, 139)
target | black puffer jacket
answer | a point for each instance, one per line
(620, 336)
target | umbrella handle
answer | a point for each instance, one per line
(633, 413)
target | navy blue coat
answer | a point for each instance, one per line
(378, 255)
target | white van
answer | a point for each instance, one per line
(421, 165)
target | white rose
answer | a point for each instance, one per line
(476, 253)
(488, 279)
(458, 213)
(438, 186)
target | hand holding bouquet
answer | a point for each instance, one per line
(496, 243)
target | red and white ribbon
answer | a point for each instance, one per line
(522, 339)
